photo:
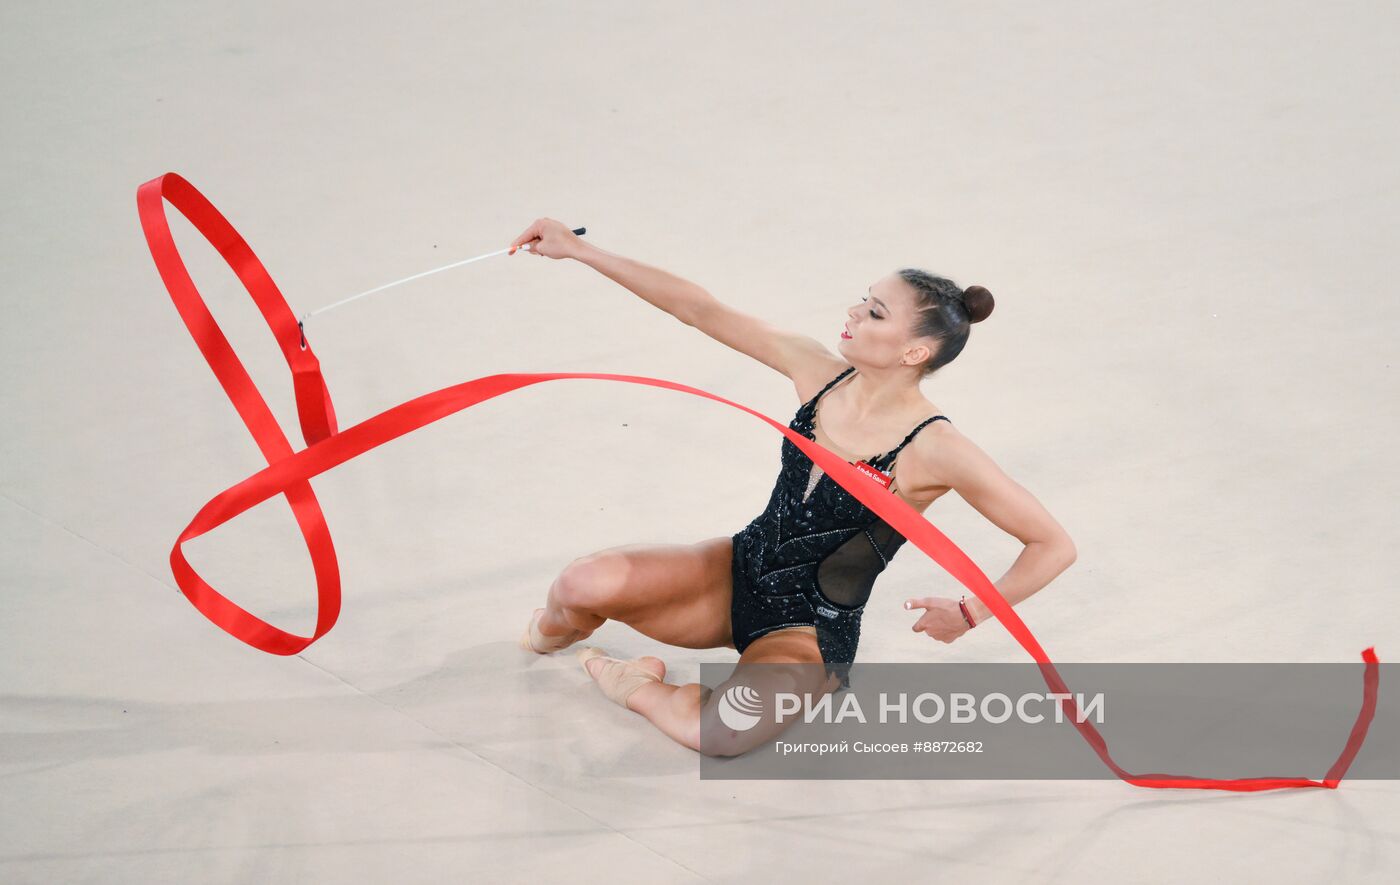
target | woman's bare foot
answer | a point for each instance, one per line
(544, 643)
(618, 678)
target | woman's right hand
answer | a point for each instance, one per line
(942, 619)
(550, 238)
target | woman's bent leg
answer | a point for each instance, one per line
(678, 594)
(784, 660)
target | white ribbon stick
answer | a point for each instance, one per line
(579, 231)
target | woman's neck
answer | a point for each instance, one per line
(877, 391)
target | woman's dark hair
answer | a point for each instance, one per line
(946, 313)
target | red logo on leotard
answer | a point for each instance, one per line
(884, 479)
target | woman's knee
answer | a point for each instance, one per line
(593, 581)
(716, 738)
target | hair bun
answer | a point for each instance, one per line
(979, 303)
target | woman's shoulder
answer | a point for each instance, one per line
(938, 457)
(810, 376)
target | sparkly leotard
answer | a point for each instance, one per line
(812, 556)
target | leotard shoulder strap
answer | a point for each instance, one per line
(811, 404)
(894, 453)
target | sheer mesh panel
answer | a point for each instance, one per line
(848, 574)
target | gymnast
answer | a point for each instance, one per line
(790, 587)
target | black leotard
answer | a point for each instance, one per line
(812, 556)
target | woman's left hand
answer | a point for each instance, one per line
(941, 619)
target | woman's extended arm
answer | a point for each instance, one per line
(787, 352)
(978, 480)
(679, 297)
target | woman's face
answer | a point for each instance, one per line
(881, 326)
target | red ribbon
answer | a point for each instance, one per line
(288, 472)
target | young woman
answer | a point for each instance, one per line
(790, 587)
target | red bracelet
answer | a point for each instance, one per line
(967, 616)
